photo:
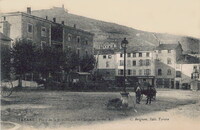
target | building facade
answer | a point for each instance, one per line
(106, 64)
(42, 32)
(164, 66)
(139, 65)
(166, 56)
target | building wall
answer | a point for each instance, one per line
(36, 34)
(107, 61)
(162, 59)
(19, 27)
(78, 40)
(166, 78)
(186, 71)
(5, 28)
(55, 34)
(137, 67)
(15, 20)
(106, 65)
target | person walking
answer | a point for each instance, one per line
(138, 93)
(149, 94)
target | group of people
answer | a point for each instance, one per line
(149, 92)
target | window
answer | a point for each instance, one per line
(30, 28)
(129, 72)
(147, 72)
(104, 56)
(140, 72)
(120, 72)
(43, 44)
(159, 51)
(121, 63)
(148, 63)
(121, 55)
(43, 32)
(69, 38)
(107, 64)
(169, 61)
(147, 54)
(109, 56)
(159, 72)
(134, 72)
(140, 62)
(128, 63)
(140, 54)
(78, 39)
(86, 53)
(78, 52)
(144, 62)
(169, 72)
(4, 18)
(194, 67)
(134, 63)
(86, 42)
(178, 74)
(134, 54)
(169, 51)
(129, 55)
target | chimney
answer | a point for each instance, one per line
(28, 10)
(46, 17)
(63, 22)
(54, 20)
(74, 25)
(63, 6)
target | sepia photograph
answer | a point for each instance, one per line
(100, 64)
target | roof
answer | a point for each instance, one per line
(188, 59)
(140, 48)
(4, 37)
(131, 49)
(104, 51)
(167, 46)
(134, 49)
(44, 20)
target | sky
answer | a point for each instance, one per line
(181, 17)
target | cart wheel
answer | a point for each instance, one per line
(6, 88)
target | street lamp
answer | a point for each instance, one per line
(123, 45)
(124, 94)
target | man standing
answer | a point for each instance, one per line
(149, 94)
(138, 93)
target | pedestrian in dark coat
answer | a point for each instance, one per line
(150, 93)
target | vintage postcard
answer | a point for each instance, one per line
(100, 64)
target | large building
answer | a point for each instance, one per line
(189, 68)
(166, 56)
(42, 32)
(164, 66)
(140, 64)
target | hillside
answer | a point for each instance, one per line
(105, 30)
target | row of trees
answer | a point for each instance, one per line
(29, 58)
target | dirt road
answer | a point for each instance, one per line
(45, 110)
